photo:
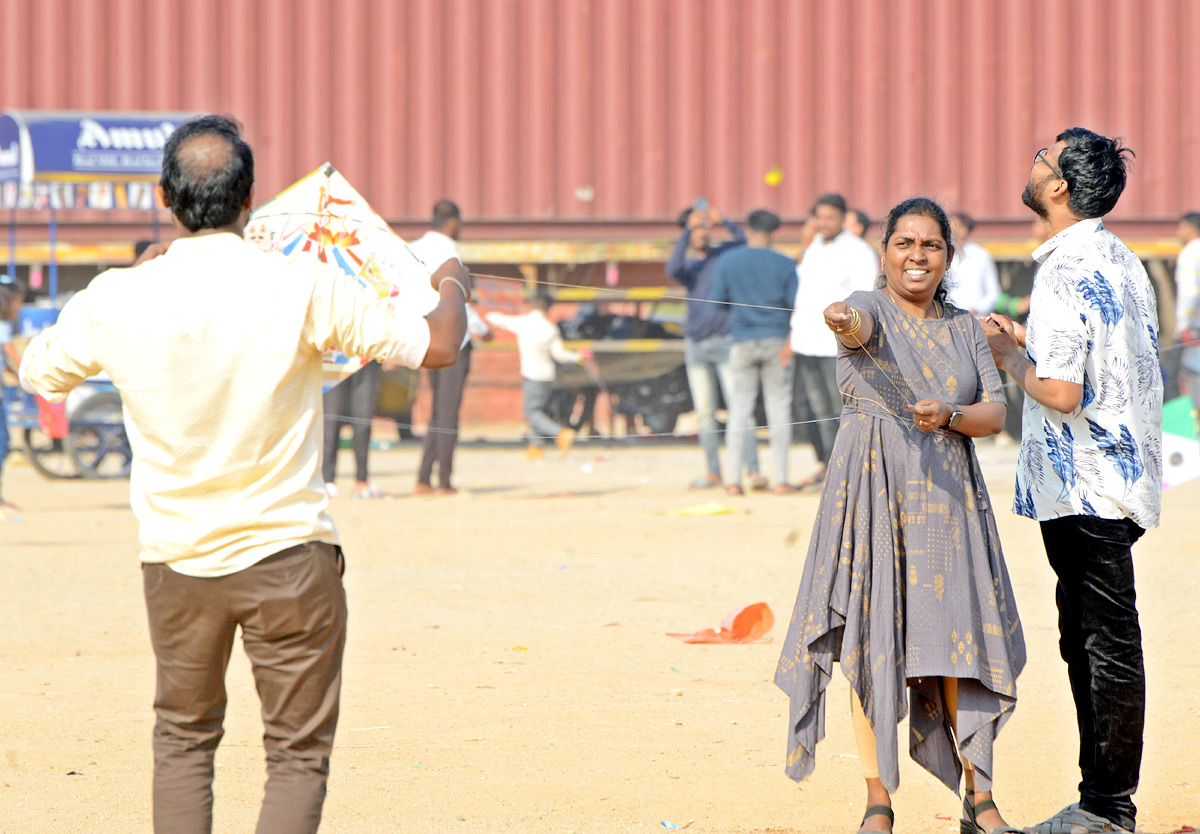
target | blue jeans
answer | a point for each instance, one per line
(707, 365)
(3, 438)
(753, 363)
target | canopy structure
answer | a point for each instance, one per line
(60, 160)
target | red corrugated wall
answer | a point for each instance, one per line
(561, 112)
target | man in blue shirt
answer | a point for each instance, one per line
(707, 338)
(761, 284)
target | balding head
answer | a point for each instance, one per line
(208, 173)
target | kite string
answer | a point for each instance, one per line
(345, 419)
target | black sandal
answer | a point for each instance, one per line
(970, 818)
(882, 810)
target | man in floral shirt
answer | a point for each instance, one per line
(1090, 469)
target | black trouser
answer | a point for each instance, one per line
(815, 397)
(1101, 641)
(351, 402)
(442, 435)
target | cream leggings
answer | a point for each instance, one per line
(864, 735)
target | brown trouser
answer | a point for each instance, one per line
(292, 610)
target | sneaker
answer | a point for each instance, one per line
(332, 489)
(565, 439)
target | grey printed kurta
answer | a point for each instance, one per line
(905, 581)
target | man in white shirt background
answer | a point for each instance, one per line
(540, 345)
(974, 283)
(1187, 304)
(223, 411)
(435, 247)
(835, 264)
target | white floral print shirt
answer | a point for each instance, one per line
(1093, 321)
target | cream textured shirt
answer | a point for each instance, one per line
(216, 350)
(539, 343)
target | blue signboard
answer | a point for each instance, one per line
(62, 160)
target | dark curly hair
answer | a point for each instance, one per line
(924, 207)
(202, 191)
(1094, 167)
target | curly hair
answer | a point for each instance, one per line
(1095, 168)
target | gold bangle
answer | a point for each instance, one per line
(458, 283)
(855, 322)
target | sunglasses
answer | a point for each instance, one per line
(1040, 156)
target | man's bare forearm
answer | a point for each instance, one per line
(1052, 393)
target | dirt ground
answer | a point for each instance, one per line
(508, 669)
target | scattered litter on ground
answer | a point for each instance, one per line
(711, 508)
(742, 625)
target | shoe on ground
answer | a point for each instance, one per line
(445, 490)
(331, 489)
(705, 482)
(1075, 820)
(422, 489)
(369, 493)
(564, 441)
(734, 489)
(758, 482)
(534, 452)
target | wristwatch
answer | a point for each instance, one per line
(955, 418)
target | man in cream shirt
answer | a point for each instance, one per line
(835, 264)
(540, 345)
(223, 410)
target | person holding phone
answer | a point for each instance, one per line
(708, 334)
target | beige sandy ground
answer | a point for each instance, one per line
(508, 669)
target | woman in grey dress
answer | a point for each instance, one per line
(905, 584)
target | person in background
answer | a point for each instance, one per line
(540, 345)
(974, 283)
(761, 285)
(1090, 467)
(857, 223)
(352, 403)
(833, 265)
(707, 336)
(223, 407)
(12, 295)
(434, 248)
(1187, 305)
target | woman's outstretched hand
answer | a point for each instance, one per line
(838, 317)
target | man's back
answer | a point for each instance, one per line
(761, 285)
(216, 350)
